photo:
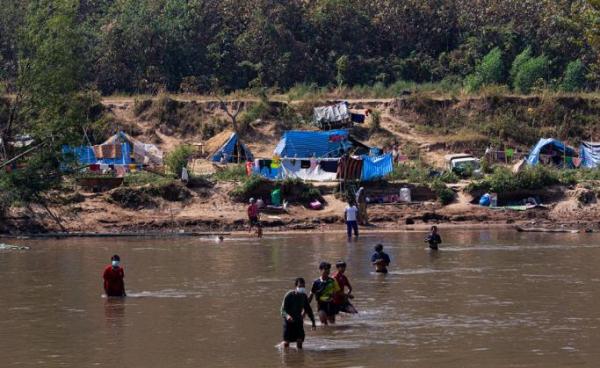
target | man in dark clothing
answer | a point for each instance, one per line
(433, 238)
(380, 259)
(295, 304)
(113, 278)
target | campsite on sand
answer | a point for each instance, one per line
(416, 168)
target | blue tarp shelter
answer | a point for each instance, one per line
(304, 144)
(589, 152)
(231, 150)
(376, 167)
(555, 150)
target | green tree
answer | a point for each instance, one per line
(342, 66)
(489, 71)
(530, 73)
(521, 59)
(53, 109)
(178, 159)
(574, 77)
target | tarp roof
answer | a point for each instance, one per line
(546, 143)
(304, 144)
(589, 152)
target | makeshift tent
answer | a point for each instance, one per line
(552, 151)
(320, 144)
(120, 149)
(589, 153)
(227, 147)
(334, 116)
(376, 167)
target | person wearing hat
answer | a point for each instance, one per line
(295, 305)
(113, 278)
(380, 259)
(323, 290)
(253, 217)
(341, 299)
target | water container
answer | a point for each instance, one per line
(276, 197)
(405, 195)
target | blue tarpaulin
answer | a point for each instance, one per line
(304, 144)
(589, 152)
(376, 167)
(85, 155)
(549, 144)
(230, 148)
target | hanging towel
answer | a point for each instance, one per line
(94, 168)
(329, 166)
(304, 164)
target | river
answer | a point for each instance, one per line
(487, 298)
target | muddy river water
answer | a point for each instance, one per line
(493, 299)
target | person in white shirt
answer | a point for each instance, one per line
(350, 215)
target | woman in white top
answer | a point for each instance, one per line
(350, 215)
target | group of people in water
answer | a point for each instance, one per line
(332, 293)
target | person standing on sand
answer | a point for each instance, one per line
(361, 199)
(295, 305)
(323, 289)
(113, 278)
(341, 299)
(350, 215)
(434, 239)
(380, 259)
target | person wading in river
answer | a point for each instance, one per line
(295, 305)
(253, 217)
(113, 278)
(323, 289)
(434, 239)
(380, 259)
(341, 299)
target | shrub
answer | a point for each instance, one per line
(231, 173)
(375, 121)
(489, 71)
(253, 186)
(530, 73)
(417, 174)
(503, 180)
(449, 177)
(444, 194)
(145, 177)
(574, 78)
(521, 59)
(177, 159)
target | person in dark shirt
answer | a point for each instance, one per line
(295, 305)
(323, 289)
(434, 239)
(113, 278)
(342, 299)
(380, 259)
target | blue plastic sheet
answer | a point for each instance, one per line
(376, 167)
(305, 144)
(590, 155)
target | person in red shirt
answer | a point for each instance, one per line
(341, 299)
(253, 217)
(113, 278)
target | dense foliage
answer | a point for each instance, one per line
(203, 45)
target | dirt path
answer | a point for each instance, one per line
(405, 132)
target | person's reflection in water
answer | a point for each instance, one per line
(293, 359)
(114, 312)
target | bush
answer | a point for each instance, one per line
(145, 177)
(444, 194)
(574, 78)
(503, 180)
(375, 121)
(254, 186)
(530, 73)
(449, 177)
(417, 174)
(178, 159)
(295, 190)
(521, 59)
(231, 172)
(489, 71)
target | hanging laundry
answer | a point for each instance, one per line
(120, 170)
(349, 168)
(276, 162)
(94, 168)
(329, 166)
(304, 164)
(132, 167)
